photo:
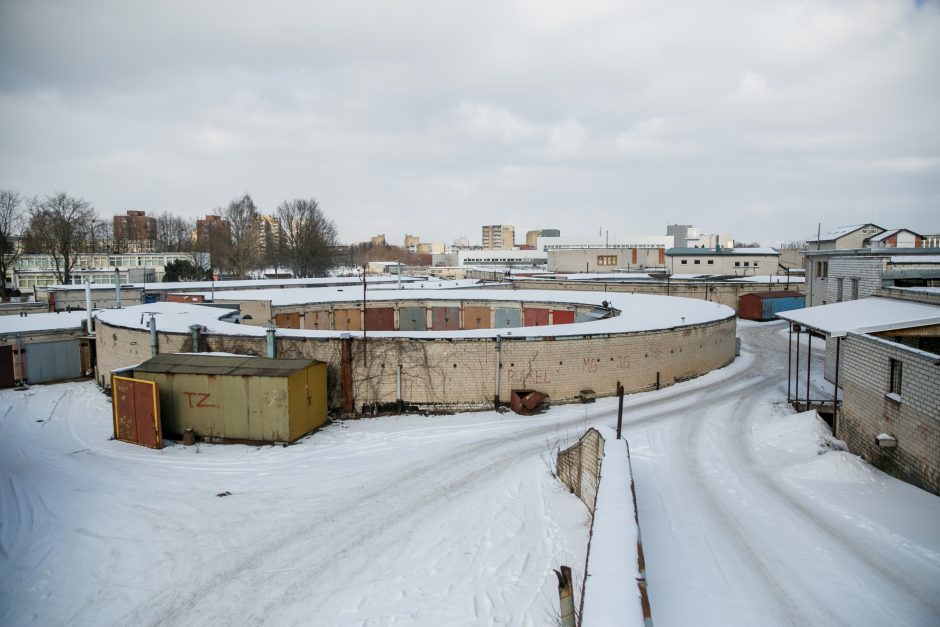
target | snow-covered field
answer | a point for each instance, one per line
(749, 514)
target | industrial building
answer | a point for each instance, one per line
(723, 261)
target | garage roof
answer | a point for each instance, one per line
(234, 366)
(868, 315)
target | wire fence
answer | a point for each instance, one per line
(579, 467)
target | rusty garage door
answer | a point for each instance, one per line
(560, 316)
(535, 317)
(287, 320)
(477, 317)
(317, 320)
(380, 318)
(347, 320)
(445, 318)
(136, 412)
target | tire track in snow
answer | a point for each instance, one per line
(407, 486)
(689, 436)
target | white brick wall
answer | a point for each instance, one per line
(914, 421)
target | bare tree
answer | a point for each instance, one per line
(242, 218)
(309, 237)
(11, 228)
(63, 227)
(175, 233)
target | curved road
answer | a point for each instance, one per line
(448, 520)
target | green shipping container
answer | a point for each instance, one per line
(238, 399)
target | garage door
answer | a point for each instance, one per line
(53, 361)
(6, 367)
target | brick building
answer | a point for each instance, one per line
(885, 355)
(135, 232)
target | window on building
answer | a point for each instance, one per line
(711, 262)
(684, 262)
(894, 376)
(737, 264)
(854, 289)
(607, 260)
(698, 262)
(747, 263)
(839, 286)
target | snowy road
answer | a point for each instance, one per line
(456, 520)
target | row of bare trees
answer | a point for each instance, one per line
(301, 239)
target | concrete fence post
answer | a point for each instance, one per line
(566, 597)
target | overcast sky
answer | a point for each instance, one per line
(434, 118)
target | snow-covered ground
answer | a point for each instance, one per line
(750, 516)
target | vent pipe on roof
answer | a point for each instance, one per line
(272, 349)
(154, 350)
(194, 329)
(88, 310)
(117, 288)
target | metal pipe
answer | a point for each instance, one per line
(117, 288)
(499, 346)
(154, 349)
(272, 348)
(194, 330)
(346, 361)
(88, 311)
(19, 358)
(398, 388)
(789, 358)
(809, 363)
(796, 373)
(835, 391)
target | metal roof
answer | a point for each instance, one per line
(225, 365)
(841, 231)
(868, 315)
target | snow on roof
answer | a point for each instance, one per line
(674, 252)
(868, 315)
(36, 322)
(600, 276)
(774, 278)
(246, 284)
(840, 231)
(916, 259)
(639, 312)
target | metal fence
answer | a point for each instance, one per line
(579, 467)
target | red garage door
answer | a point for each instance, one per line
(534, 317)
(136, 412)
(562, 317)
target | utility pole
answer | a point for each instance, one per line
(364, 325)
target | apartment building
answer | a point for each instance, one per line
(499, 237)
